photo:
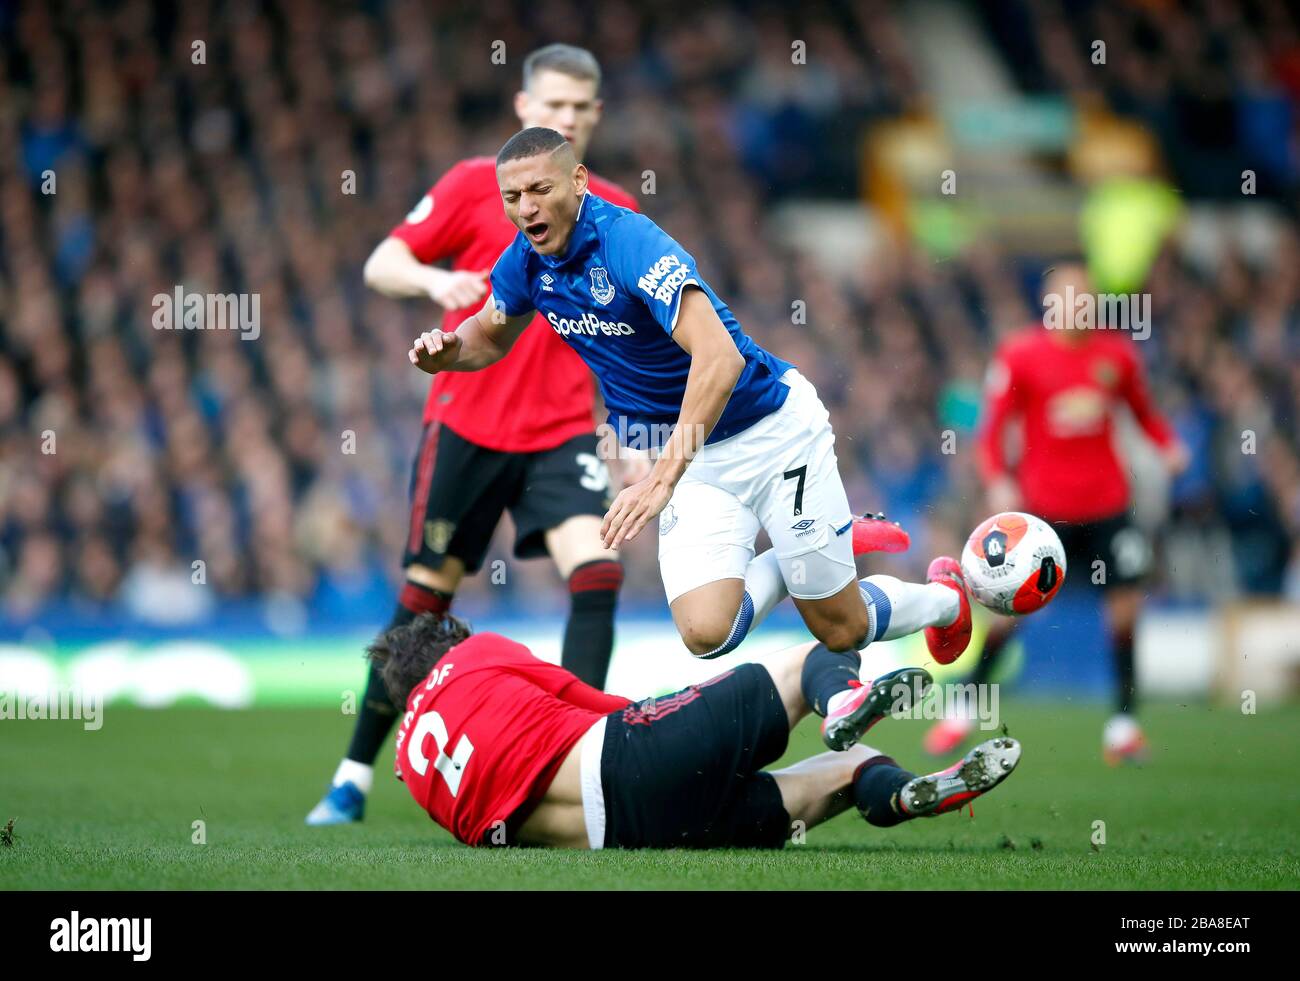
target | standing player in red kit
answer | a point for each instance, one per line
(501, 748)
(1065, 386)
(518, 436)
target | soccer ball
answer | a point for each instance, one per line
(1014, 563)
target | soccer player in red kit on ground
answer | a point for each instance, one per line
(519, 436)
(1064, 386)
(501, 748)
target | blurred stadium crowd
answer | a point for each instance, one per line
(128, 453)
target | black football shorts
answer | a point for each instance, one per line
(460, 489)
(685, 770)
(1121, 547)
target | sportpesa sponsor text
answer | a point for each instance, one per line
(589, 324)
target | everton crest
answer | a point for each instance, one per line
(602, 290)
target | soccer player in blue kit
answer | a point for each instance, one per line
(740, 438)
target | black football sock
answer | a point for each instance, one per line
(989, 656)
(589, 634)
(1125, 673)
(375, 720)
(875, 787)
(826, 673)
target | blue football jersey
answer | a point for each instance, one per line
(614, 296)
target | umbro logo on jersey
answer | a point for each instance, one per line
(805, 523)
(548, 282)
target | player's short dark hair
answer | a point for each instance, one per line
(565, 59)
(529, 143)
(405, 655)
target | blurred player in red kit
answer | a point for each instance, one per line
(519, 436)
(1064, 387)
(501, 748)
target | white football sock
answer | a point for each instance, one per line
(898, 608)
(360, 774)
(765, 585)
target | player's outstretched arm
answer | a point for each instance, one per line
(716, 365)
(481, 340)
(1134, 389)
(393, 270)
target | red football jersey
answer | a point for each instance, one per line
(487, 731)
(1069, 468)
(539, 395)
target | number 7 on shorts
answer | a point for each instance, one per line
(800, 473)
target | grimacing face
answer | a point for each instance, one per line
(541, 197)
(563, 103)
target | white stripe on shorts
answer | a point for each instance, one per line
(593, 791)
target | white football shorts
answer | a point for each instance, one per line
(780, 474)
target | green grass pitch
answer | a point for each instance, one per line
(1217, 808)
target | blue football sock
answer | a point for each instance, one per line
(739, 629)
